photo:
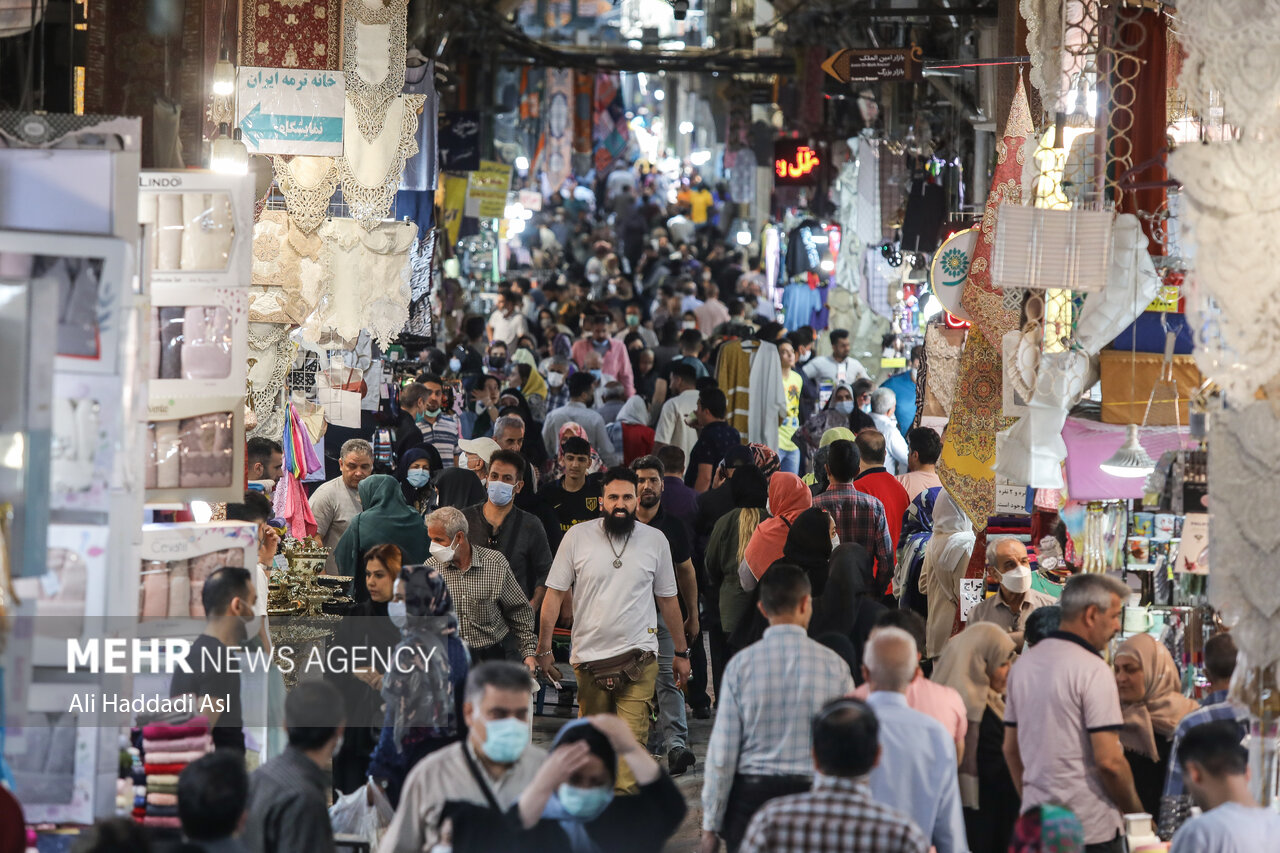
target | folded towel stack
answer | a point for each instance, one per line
(166, 750)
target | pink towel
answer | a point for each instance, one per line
(194, 727)
(297, 512)
(175, 757)
(184, 744)
(162, 799)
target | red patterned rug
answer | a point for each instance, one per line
(291, 34)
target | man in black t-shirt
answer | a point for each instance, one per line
(672, 722)
(575, 497)
(229, 600)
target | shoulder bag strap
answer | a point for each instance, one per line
(480, 780)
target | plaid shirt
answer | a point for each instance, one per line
(488, 601)
(860, 518)
(557, 397)
(837, 816)
(1175, 804)
(769, 694)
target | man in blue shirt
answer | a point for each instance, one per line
(917, 770)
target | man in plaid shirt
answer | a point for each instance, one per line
(859, 517)
(839, 815)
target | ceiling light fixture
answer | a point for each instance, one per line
(224, 76)
(1130, 460)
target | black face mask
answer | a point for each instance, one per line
(497, 362)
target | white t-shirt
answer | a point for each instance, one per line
(613, 608)
(508, 329)
(672, 427)
(1230, 828)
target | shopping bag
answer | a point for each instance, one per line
(364, 813)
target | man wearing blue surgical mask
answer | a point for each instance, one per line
(492, 768)
(518, 535)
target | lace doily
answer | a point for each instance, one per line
(370, 171)
(1044, 46)
(374, 40)
(368, 279)
(307, 184)
(288, 270)
(943, 360)
(270, 358)
(1232, 203)
(1232, 50)
(1242, 529)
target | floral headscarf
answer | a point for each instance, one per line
(573, 428)
(1048, 828)
(422, 696)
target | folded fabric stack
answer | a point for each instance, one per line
(131, 787)
(166, 750)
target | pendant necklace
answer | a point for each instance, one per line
(617, 555)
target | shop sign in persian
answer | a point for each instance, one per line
(873, 66)
(291, 111)
(487, 189)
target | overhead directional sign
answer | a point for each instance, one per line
(874, 66)
(291, 111)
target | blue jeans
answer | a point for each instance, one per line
(790, 460)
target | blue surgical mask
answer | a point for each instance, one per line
(844, 407)
(432, 413)
(455, 365)
(866, 407)
(505, 740)
(396, 613)
(500, 494)
(584, 803)
(418, 477)
(597, 373)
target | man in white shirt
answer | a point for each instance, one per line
(837, 367)
(678, 411)
(712, 312)
(616, 569)
(507, 323)
(494, 765)
(337, 502)
(581, 396)
(1216, 772)
(883, 404)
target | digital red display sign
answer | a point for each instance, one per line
(795, 163)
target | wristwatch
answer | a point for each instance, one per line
(684, 654)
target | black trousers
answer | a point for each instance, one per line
(488, 653)
(746, 797)
(1115, 845)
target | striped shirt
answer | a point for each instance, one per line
(488, 601)
(768, 697)
(837, 816)
(443, 436)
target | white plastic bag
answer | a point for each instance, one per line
(363, 814)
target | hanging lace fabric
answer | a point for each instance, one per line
(370, 169)
(289, 270)
(368, 281)
(270, 358)
(423, 262)
(374, 51)
(307, 184)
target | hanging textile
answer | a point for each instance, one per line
(422, 171)
(610, 133)
(290, 269)
(368, 281)
(300, 460)
(373, 62)
(296, 34)
(270, 357)
(584, 83)
(370, 170)
(307, 184)
(968, 453)
(557, 129)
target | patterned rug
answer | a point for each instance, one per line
(291, 34)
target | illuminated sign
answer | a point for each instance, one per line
(795, 163)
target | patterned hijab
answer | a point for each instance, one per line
(1162, 705)
(573, 428)
(422, 696)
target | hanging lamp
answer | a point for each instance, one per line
(1130, 460)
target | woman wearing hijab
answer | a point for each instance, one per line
(817, 477)
(976, 664)
(788, 497)
(570, 805)
(574, 428)
(631, 430)
(728, 543)
(423, 693)
(945, 559)
(832, 416)
(366, 627)
(414, 471)
(1153, 705)
(385, 519)
(458, 488)
(1048, 828)
(512, 401)
(848, 606)
(533, 387)
(917, 527)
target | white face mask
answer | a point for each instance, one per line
(835, 542)
(1017, 580)
(443, 553)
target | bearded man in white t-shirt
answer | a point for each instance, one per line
(616, 569)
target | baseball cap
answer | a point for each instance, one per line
(483, 447)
